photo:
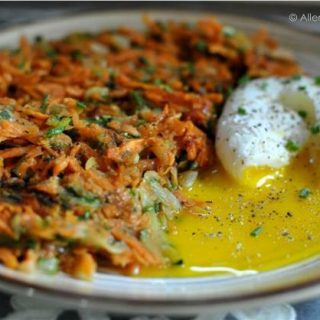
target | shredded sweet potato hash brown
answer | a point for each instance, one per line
(99, 133)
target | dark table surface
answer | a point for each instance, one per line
(14, 13)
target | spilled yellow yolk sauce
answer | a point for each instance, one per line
(243, 229)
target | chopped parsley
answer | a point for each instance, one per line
(58, 121)
(296, 77)
(244, 80)
(255, 232)
(201, 46)
(101, 120)
(242, 111)
(77, 54)
(315, 129)
(52, 53)
(302, 113)
(263, 86)
(162, 85)
(86, 216)
(138, 99)
(317, 81)
(5, 114)
(292, 146)
(81, 105)
(44, 103)
(304, 193)
(153, 208)
(54, 131)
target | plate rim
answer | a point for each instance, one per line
(306, 289)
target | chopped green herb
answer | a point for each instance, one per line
(243, 80)
(31, 243)
(54, 131)
(52, 53)
(49, 265)
(16, 51)
(302, 113)
(73, 195)
(296, 77)
(201, 46)
(304, 193)
(58, 121)
(317, 81)
(302, 88)
(77, 54)
(86, 216)
(138, 99)
(229, 92)
(255, 232)
(152, 208)
(162, 85)
(292, 146)
(38, 39)
(97, 93)
(150, 69)
(264, 86)
(81, 105)
(162, 25)
(315, 129)
(242, 111)
(5, 114)
(44, 103)
(179, 262)
(132, 192)
(101, 121)
(21, 65)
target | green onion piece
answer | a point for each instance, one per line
(255, 232)
(317, 81)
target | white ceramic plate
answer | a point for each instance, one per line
(185, 296)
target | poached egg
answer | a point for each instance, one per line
(264, 124)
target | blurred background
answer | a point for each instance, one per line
(12, 13)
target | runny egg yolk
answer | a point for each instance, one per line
(258, 176)
(244, 230)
